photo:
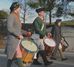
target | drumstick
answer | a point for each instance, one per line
(35, 56)
(19, 41)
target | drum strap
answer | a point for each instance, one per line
(42, 27)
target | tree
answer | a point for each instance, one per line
(47, 4)
(3, 17)
(59, 12)
(3, 14)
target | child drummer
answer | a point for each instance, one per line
(49, 35)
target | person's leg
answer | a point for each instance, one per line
(35, 60)
(9, 62)
(36, 40)
(53, 56)
(43, 55)
(61, 53)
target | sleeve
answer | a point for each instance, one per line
(10, 26)
(24, 32)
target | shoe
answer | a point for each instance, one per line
(36, 63)
(48, 63)
(53, 58)
(64, 59)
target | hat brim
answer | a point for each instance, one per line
(40, 9)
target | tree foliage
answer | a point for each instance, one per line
(33, 5)
(59, 12)
(3, 14)
(47, 4)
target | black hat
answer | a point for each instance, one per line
(57, 21)
(39, 10)
(14, 6)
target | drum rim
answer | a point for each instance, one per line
(29, 50)
(49, 39)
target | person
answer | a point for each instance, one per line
(37, 36)
(14, 36)
(57, 36)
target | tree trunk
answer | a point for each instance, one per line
(50, 17)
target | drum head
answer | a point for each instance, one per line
(50, 42)
(29, 45)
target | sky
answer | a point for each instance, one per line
(5, 4)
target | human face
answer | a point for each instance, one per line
(42, 13)
(17, 10)
(49, 35)
(59, 24)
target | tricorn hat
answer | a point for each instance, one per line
(14, 6)
(58, 21)
(39, 10)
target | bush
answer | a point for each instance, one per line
(3, 14)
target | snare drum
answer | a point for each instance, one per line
(29, 48)
(49, 45)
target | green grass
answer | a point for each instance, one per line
(64, 23)
(68, 23)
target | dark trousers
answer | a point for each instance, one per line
(57, 49)
(42, 53)
(9, 62)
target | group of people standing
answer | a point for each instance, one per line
(14, 37)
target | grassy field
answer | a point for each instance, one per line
(68, 23)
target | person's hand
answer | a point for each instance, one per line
(20, 37)
(29, 33)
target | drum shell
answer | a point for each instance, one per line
(48, 49)
(27, 57)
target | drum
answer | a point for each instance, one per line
(64, 47)
(29, 48)
(49, 45)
